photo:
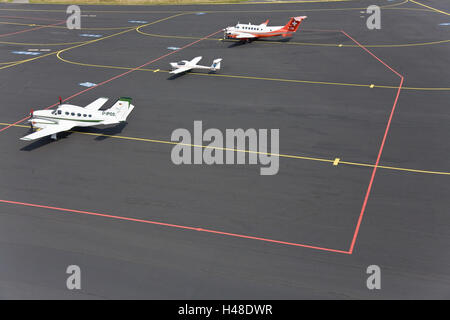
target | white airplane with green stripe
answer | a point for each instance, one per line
(67, 116)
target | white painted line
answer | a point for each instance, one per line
(88, 84)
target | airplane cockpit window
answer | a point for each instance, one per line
(181, 63)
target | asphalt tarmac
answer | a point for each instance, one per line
(363, 175)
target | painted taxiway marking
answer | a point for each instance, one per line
(90, 35)
(32, 29)
(274, 42)
(88, 84)
(431, 8)
(257, 78)
(104, 82)
(119, 75)
(86, 42)
(198, 229)
(288, 156)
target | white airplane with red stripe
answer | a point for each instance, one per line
(251, 31)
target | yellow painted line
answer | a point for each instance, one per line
(62, 27)
(431, 8)
(401, 45)
(27, 60)
(156, 70)
(335, 162)
(42, 44)
(86, 43)
(12, 61)
(119, 33)
(257, 78)
(372, 86)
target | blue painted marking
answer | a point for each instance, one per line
(173, 48)
(445, 24)
(137, 21)
(87, 84)
(27, 53)
(90, 35)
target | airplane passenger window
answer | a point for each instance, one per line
(84, 115)
(67, 113)
(73, 113)
(79, 114)
(90, 116)
(59, 111)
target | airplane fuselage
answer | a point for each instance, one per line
(256, 30)
(79, 116)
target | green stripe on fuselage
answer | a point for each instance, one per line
(54, 118)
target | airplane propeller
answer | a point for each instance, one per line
(31, 116)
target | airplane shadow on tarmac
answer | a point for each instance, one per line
(241, 43)
(103, 133)
(175, 76)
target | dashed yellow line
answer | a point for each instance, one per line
(334, 162)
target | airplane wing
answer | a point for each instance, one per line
(47, 131)
(97, 104)
(195, 60)
(243, 35)
(180, 70)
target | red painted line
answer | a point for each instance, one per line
(383, 141)
(118, 76)
(355, 235)
(32, 29)
(373, 55)
(366, 198)
(172, 226)
(31, 18)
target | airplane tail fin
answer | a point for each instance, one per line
(264, 23)
(294, 23)
(121, 109)
(216, 64)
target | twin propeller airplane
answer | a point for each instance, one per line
(67, 116)
(247, 32)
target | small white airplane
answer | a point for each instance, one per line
(247, 32)
(67, 116)
(184, 65)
